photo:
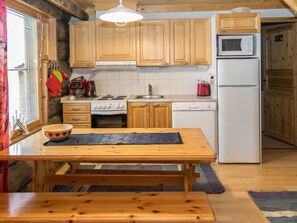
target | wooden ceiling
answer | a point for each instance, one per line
(183, 5)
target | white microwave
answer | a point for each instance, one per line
(236, 45)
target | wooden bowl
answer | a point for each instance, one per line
(57, 132)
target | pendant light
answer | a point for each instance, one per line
(120, 15)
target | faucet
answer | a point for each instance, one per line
(150, 90)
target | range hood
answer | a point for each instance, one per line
(115, 65)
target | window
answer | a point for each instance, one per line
(23, 67)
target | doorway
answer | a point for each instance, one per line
(279, 47)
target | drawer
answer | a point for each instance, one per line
(76, 108)
(73, 118)
(81, 125)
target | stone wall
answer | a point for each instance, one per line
(20, 173)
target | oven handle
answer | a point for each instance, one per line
(108, 112)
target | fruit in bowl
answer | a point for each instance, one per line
(57, 132)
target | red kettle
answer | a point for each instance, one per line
(203, 88)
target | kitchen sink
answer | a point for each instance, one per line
(149, 96)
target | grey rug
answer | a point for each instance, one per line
(278, 207)
(207, 182)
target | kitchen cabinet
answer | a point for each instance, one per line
(180, 41)
(82, 44)
(200, 42)
(149, 115)
(78, 115)
(153, 43)
(190, 42)
(115, 43)
(238, 23)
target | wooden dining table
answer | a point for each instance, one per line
(193, 150)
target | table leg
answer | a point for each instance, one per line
(42, 169)
(189, 176)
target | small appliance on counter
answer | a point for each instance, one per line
(203, 88)
(90, 89)
(77, 86)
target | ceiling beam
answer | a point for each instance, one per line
(292, 4)
(70, 7)
(211, 6)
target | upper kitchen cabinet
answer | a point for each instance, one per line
(190, 42)
(180, 41)
(82, 44)
(200, 42)
(153, 43)
(238, 23)
(115, 43)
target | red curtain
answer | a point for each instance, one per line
(4, 118)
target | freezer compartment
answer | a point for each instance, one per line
(242, 72)
(239, 124)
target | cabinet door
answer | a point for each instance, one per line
(153, 43)
(238, 23)
(160, 115)
(115, 43)
(200, 42)
(180, 42)
(82, 44)
(138, 115)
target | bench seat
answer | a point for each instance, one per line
(106, 207)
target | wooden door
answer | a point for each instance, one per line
(238, 23)
(82, 44)
(138, 115)
(180, 41)
(153, 43)
(160, 115)
(200, 42)
(115, 43)
(279, 88)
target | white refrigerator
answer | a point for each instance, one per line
(239, 111)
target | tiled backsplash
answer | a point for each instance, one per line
(165, 80)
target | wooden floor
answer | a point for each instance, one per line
(277, 173)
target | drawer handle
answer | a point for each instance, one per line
(193, 107)
(142, 106)
(75, 119)
(156, 105)
(75, 109)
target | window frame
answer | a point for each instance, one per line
(46, 43)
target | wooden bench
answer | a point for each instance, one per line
(106, 207)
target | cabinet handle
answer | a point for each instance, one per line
(165, 63)
(75, 119)
(75, 109)
(142, 106)
(156, 105)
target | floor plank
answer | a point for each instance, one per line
(277, 173)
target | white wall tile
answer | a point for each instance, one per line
(165, 80)
(113, 87)
(101, 87)
(176, 86)
(113, 75)
(138, 87)
(125, 87)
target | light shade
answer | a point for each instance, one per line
(121, 14)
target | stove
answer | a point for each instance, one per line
(109, 104)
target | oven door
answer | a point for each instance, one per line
(109, 120)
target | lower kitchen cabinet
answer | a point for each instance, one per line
(78, 115)
(150, 115)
